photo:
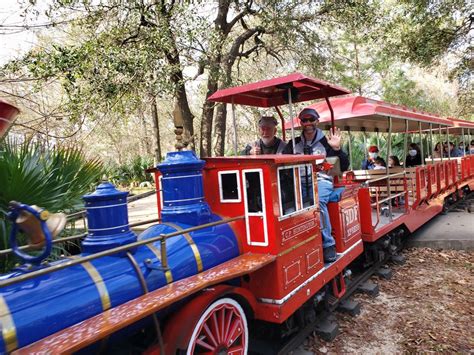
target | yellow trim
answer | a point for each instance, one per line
(284, 252)
(99, 283)
(8, 327)
(197, 254)
(154, 250)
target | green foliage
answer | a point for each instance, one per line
(132, 172)
(53, 179)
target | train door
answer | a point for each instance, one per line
(255, 211)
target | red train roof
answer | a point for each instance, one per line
(272, 158)
(360, 113)
(270, 93)
(459, 125)
(7, 116)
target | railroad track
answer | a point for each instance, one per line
(325, 324)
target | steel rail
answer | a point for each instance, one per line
(64, 265)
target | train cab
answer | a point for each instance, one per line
(278, 198)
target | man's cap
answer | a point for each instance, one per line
(267, 121)
(308, 113)
(373, 149)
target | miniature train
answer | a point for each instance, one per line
(238, 244)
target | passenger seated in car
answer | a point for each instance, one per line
(414, 156)
(268, 143)
(438, 151)
(394, 162)
(453, 151)
(313, 141)
(373, 153)
(379, 164)
(470, 149)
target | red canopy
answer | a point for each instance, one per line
(7, 116)
(459, 125)
(273, 92)
(358, 113)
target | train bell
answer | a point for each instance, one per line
(31, 226)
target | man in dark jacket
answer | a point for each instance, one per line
(268, 143)
(312, 141)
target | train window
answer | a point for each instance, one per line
(286, 181)
(253, 192)
(307, 186)
(229, 187)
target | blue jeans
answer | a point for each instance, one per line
(327, 193)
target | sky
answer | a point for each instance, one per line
(15, 41)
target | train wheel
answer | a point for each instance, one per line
(221, 329)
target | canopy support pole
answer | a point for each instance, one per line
(463, 143)
(469, 138)
(234, 123)
(421, 145)
(283, 133)
(350, 148)
(431, 142)
(449, 145)
(365, 144)
(378, 138)
(405, 144)
(333, 125)
(290, 103)
(389, 145)
(441, 143)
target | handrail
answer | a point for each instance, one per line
(74, 237)
(388, 198)
(119, 249)
(383, 178)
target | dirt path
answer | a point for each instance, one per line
(427, 306)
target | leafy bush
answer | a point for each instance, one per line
(131, 172)
(54, 179)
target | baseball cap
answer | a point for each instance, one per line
(267, 121)
(308, 113)
(373, 149)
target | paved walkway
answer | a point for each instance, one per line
(142, 210)
(455, 230)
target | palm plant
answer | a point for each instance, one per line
(54, 179)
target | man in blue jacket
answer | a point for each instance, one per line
(313, 141)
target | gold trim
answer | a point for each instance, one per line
(154, 250)
(197, 254)
(8, 327)
(284, 252)
(99, 283)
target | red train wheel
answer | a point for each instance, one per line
(221, 329)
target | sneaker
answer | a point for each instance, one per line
(329, 254)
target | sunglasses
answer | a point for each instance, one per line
(308, 119)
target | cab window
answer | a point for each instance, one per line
(229, 186)
(286, 181)
(307, 185)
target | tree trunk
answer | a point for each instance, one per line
(177, 78)
(146, 136)
(208, 113)
(156, 129)
(221, 123)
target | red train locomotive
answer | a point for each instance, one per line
(237, 256)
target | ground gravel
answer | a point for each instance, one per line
(426, 307)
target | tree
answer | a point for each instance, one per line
(432, 32)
